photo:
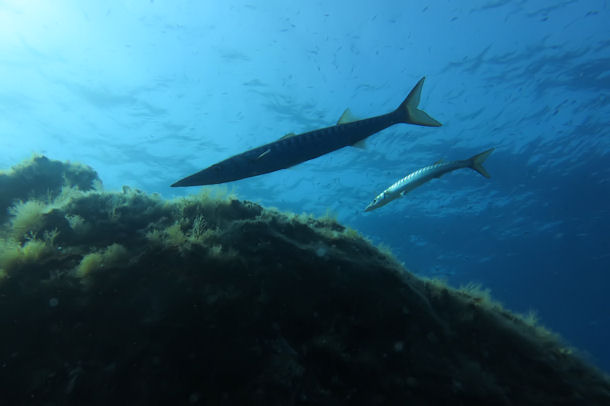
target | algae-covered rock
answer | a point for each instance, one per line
(40, 177)
(125, 298)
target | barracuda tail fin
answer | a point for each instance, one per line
(476, 162)
(410, 114)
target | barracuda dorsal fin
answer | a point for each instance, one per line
(287, 136)
(346, 117)
(440, 161)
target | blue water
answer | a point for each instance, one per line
(148, 92)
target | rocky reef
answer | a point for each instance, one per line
(127, 298)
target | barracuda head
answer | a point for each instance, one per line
(382, 199)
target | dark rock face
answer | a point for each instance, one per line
(123, 298)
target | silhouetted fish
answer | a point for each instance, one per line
(293, 149)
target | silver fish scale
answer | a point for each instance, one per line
(415, 175)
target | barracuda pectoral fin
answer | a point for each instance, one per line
(346, 117)
(262, 155)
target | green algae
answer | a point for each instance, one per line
(42, 178)
(123, 297)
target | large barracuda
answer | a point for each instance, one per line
(423, 175)
(293, 149)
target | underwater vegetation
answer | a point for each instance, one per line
(127, 298)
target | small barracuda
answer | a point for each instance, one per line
(423, 175)
(293, 149)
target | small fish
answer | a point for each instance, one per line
(293, 149)
(423, 175)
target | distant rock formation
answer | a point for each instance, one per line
(125, 298)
